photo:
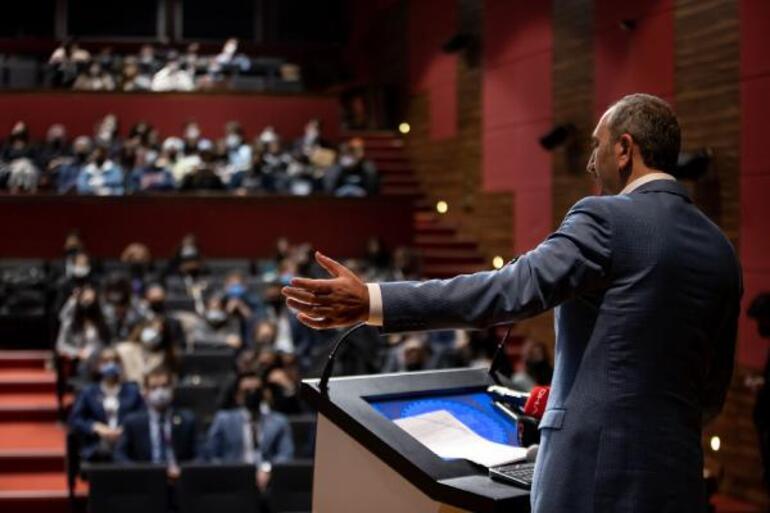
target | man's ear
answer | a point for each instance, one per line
(624, 149)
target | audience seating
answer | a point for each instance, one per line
(205, 488)
(291, 487)
(203, 367)
(303, 433)
(202, 399)
(127, 489)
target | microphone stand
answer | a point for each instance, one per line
(323, 384)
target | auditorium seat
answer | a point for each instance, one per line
(292, 487)
(127, 489)
(204, 488)
(203, 367)
(303, 432)
(202, 399)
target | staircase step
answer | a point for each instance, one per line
(27, 381)
(24, 359)
(32, 460)
(450, 270)
(28, 407)
(383, 143)
(36, 436)
(434, 241)
(397, 166)
(435, 229)
(451, 256)
(37, 492)
(399, 179)
(370, 134)
(400, 190)
(382, 156)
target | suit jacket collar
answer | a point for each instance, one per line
(669, 186)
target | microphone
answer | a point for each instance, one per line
(323, 384)
(496, 358)
(535, 405)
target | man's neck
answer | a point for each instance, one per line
(638, 179)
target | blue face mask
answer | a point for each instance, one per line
(236, 290)
(109, 370)
(286, 278)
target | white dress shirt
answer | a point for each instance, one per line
(376, 311)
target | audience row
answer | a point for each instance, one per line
(161, 69)
(106, 164)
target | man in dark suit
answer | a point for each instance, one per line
(101, 408)
(160, 434)
(646, 290)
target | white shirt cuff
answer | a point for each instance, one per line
(375, 305)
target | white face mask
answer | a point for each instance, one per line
(80, 271)
(150, 337)
(159, 398)
(233, 140)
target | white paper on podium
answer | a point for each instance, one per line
(447, 437)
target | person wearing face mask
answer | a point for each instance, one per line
(83, 330)
(534, 368)
(101, 177)
(353, 175)
(100, 408)
(247, 431)
(238, 152)
(68, 173)
(155, 301)
(121, 309)
(159, 434)
(217, 327)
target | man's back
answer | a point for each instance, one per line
(640, 359)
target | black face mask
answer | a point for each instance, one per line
(253, 400)
(157, 306)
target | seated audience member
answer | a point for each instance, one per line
(311, 139)
(83, 330)
(238, 151)
(204, 177)
(94, 78)
(158, 434)
(411, 355)
(249, 431)
(101, 177)
(133, 78)
(156, 340)
(378, 259)
(137, 259)
(154, 176)
(218, 327)
(534, 368)
(77, 273)
(173, 77)
(273, 164)
(100, 409)
(68, 173)
(353, 175)
(283, 380)
(20, 172)
(53, 153)
(121, 309)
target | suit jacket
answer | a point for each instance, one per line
(88, 408)
(135, 444)
(647, 291)
(226, 442)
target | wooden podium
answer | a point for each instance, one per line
(365, 463)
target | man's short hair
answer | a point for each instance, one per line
(160, 370)
(652, 124)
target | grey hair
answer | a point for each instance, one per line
(652, 124)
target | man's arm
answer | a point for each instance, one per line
(575, 258)
(571, 260)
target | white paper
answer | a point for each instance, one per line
(447, 437)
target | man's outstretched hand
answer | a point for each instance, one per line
(336, 302)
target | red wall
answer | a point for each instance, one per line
(517, 111)
(226, 226)
(755, 170)
(168, 112)
(431, 23)
(633, 61)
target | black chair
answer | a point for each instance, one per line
(224, 266)
(201, 399)
(127, 489)
(202, 367)
(291, 488)
(211, 488)
(303, 434)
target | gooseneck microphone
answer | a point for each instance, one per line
(323, 384)
(496, 358)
